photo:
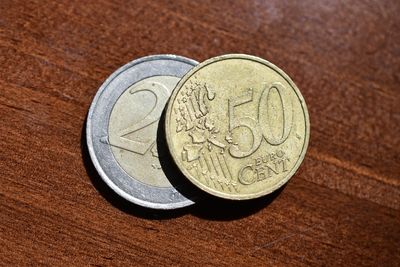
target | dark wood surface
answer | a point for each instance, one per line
(341, 208)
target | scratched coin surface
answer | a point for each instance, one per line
(122, 129)
(237, 126)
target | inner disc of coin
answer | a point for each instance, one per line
(133, 128)
(237, 127)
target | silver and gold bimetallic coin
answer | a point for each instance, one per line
(122, 129)
(237, 126)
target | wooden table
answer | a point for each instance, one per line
(341, 208)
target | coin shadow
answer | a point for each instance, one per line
(113, 198)
(206, 206)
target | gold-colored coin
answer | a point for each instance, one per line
(237, 126)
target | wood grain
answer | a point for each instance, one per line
(341, 208)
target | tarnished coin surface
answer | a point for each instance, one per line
(122, 127)
(237, 126)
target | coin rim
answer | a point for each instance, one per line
(211, 190)
(89, 139)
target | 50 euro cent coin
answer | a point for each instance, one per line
(237, 127)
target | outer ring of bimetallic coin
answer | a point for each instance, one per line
(97, 126)
(174, 153)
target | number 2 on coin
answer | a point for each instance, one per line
(262, 127)
(161, 94)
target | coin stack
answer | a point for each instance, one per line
(236, 126)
